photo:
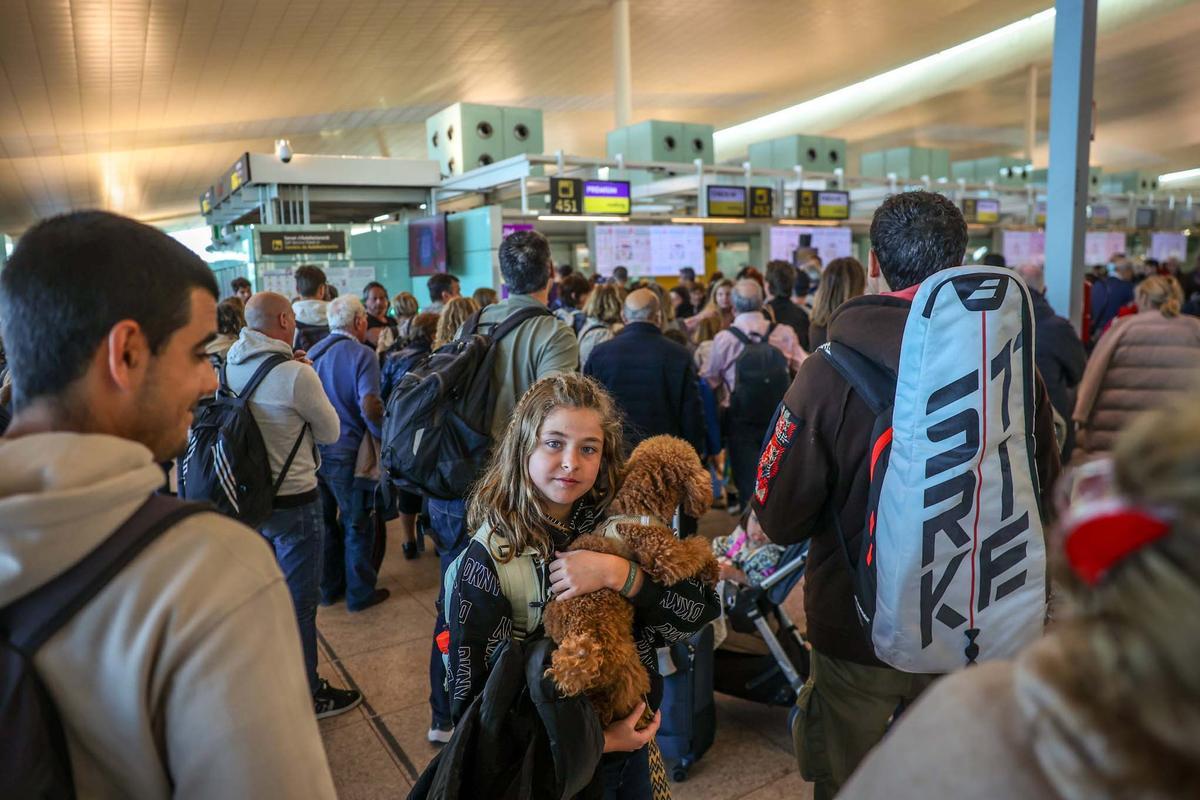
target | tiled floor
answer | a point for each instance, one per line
(378, 750)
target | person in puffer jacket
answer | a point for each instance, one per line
(1140, 363)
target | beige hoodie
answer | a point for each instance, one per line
(183, 676)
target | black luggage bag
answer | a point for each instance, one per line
(689, 712)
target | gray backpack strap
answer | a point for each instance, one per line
(520, 581)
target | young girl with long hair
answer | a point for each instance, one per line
(550, 480)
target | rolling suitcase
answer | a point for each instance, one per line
(689, 713)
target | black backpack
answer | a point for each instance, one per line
(33, 750)
(437, 426)
(761, 379)
(226, 461)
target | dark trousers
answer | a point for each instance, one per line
(296, 536)
(448, 524)
(744, 446)
(842, 712)
(627, 775)
(349, 537)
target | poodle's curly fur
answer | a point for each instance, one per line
(594, 632)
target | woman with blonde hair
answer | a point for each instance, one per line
(405, 307)
(842, 279)
(1107, 705)
(603, 312)
(454, 314)
(1140, 363)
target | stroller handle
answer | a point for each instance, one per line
(781, 573)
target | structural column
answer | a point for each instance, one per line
(622, 64)
(1070, 136)
(1031, 110)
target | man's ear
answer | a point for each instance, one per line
(873, 261)
(128, 353)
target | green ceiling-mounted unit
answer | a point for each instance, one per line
(813, 153)
(466, 136)
(906, 163)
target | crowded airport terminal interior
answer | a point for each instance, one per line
(599, 399)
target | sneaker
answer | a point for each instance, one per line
(329, 702)
(440, 732)
(377, 597)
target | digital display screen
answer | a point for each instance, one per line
(649, 249)
(427, 245)
(726, 201)
(606, 197)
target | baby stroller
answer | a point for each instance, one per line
(776, 677)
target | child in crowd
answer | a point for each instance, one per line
(550, 480)
(747, 556)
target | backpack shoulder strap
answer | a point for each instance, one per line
(739, 334)
(520, 582)
(514, 320)
(471, 326)
(269, 363)
(875, 384)
(34, 618)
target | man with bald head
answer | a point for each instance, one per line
(1058, 352)
(293, 414)
(653, 379)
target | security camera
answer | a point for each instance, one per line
(283, 150)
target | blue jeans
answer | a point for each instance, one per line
(349, 539)
(448, 521)
(296, 536)
(627, 775)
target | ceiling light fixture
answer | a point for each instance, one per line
(1010, 46)
(579, 218)
(1180, 177)
(708, 220)
(811, 223)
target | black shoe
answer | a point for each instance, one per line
(326, 602)
(377, 597)
(410, 550)
(329, 702)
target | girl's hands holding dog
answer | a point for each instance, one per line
(622, 735)
(580, 572)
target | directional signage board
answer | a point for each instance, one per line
(726, 201)
(566, 195)
(981, 210)
(814, 204)
(762, 202)
(606, 197)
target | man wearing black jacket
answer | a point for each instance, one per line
(653, 379)
(781, 280)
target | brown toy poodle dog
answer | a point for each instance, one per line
(594, 632)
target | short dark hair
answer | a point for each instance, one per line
(687, 274)
(915, 234)
(72, 277)
(239, 283)
(525, 262)
(231, 316)
(994, 260)
(309, 280)
(373, 285)
(572, 289)
(802, 285)
(439, 284)
(620, 274)
(564, 270)
(781, 278)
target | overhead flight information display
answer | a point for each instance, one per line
(649, 249)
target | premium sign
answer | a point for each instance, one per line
(762, 202)
(283, 243)
(606, 197)
(726, 201)
(981, 210)
(812, 204)
(206, 201)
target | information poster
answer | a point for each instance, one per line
(350, 280)
(649, 249)
(1164, 245)
(1099, 246)
(830, 243)
(281, 281)
(1023, 247)
(726, 201)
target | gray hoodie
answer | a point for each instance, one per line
(311, 312)
(290, 396)
(183, 677)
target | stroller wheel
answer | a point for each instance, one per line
(679, 774)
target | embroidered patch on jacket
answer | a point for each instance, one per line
(768, 465)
